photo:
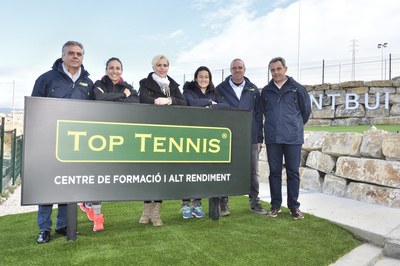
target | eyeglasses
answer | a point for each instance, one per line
(71, 53)
(162, 65)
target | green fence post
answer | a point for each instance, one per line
(18, 156)
(13, 157)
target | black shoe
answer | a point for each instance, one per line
(62, 231)
(297, 214)
(257, 208)
(224, 209)
(44, 237)
(273, 212)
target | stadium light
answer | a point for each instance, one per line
(382, 46)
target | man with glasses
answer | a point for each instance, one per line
(67, 79)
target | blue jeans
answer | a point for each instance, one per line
(44, 217)
(255, 177)
(292, 153)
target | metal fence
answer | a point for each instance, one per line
(10, 156)
(320, 72)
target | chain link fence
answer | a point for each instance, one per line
(10, 156)
(319, 72)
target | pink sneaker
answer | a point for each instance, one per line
(89, 211)
(98, 222)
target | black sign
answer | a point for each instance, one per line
(80, 151)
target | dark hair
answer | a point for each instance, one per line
(113, 59)
(203, 68)
(277, 59)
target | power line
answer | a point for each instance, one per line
(354, 46)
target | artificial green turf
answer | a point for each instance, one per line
(355, 128)
(243, 238)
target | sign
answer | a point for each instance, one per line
(352, 100)
(80, 151)
(88, 141)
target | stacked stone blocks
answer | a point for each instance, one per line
(364, 167)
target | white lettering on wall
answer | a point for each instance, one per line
(352, 101)
(376, 101)
(352, 98)
(333, 99)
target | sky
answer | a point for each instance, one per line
(191, 33)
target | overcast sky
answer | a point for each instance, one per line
(191, 33)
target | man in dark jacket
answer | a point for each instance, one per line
(67, 79)
(240, 93)
(286, 107)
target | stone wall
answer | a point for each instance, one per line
(364, 167)
(378, 102)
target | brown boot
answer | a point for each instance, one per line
(155, 214)
(147, 209)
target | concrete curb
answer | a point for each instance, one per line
(377, 225)
(365, 254)
(392, 244)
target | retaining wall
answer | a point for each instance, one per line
(355, 103)
(364, 167)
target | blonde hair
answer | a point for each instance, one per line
(157, 58)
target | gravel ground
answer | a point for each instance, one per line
(13, 204)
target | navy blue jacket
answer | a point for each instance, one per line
(149, 90)
(195, 97)
(106, 90)
(57, 84)
(249, 100)
(286, 110)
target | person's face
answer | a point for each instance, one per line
(73, 57)
(237, 71)
(114, 71)
(203, 79)
(161, 68)
(278, 71)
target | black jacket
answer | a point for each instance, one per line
(56, 84)
(248, 101)
(149, 90)
(195, 97)
(106, 90)
(286, 110)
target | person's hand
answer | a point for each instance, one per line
(163, 101)
(127, 92)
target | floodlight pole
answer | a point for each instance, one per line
(298, 48)
(382, 46)
(13, 105)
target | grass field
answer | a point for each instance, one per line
(356, 128)
(243, 238)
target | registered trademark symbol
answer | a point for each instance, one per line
(224, 135)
